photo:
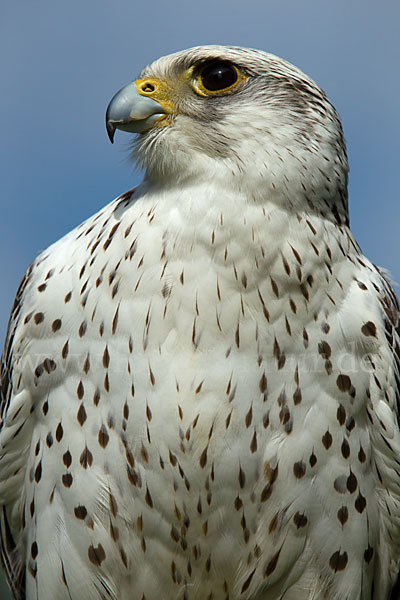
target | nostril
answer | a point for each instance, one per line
(147, 87)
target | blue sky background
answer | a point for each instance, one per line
(62, 62)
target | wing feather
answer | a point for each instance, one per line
(9, 552)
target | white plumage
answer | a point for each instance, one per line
(200, 381)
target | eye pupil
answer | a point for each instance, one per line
(218, 76)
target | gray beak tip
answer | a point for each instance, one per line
(130, 111)
(110, 130)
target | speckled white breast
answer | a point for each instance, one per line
(199, 389)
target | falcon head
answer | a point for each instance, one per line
(239, 116)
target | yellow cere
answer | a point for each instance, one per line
(157, 90)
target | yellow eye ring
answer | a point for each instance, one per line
(217, 77)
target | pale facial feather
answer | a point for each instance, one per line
(277, 134)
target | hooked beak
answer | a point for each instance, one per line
(130, 111)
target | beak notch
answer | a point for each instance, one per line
(110, 129)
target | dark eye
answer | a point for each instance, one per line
(218, 75)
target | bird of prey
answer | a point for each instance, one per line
(200, 382)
